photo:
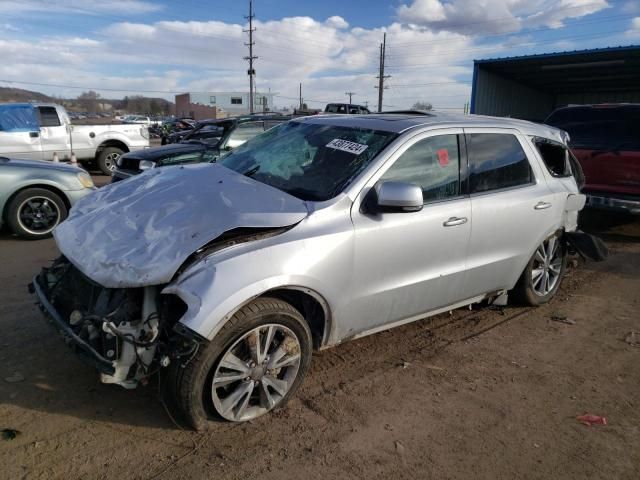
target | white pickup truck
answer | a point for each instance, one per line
(39, 130)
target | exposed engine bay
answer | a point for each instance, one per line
(127, 333)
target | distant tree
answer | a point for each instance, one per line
(89, 101)
(422, 106)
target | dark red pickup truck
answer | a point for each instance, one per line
(606, 141)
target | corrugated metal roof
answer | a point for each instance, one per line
(559, 54)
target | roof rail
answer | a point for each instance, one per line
(408, 112)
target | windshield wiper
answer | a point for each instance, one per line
(251, 171)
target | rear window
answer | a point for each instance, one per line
(600, 128)
(49, 117)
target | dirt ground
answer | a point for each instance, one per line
(482, 393)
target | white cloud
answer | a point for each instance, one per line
(494, 16)
(634, 32)
(78, 7)
(337, 22)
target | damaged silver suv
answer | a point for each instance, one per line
(226, 276)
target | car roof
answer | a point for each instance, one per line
(403, 121)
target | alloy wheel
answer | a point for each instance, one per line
(111, 160)
(256, 372)
(547, 266)
(38, 215)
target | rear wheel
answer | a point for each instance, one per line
(253, 365)
(108, 158)
(35, 212)
(542, 276)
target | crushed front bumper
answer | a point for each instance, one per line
(85, 351)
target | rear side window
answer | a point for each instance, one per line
(555, 157)
(48, 117)
(433, 164)
(496, 161)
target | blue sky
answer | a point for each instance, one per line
(126, 47)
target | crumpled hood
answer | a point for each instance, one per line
(140, 231)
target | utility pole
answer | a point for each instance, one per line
(251, 56)
(300, 95)
(381, 76)
(351, 94)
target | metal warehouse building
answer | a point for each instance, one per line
(531, 87)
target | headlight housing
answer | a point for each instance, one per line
(144, 131)
(85, 179)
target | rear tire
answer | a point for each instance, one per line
(204, 389)
(107, 159)
(543, 274)
(35, 212)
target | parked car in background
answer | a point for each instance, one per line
(205, 143)
(35, 196)
(38, 131)
(228, 132)
(133, 163)
(175, 125)
(138, 120)
(606, 140)
(346, 108)
(320, 230)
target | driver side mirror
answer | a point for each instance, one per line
(394, 197)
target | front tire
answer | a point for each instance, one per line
(543, 274)
(254, 364)
(35, 212)
(108, 158)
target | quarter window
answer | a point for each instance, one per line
(555, 157)
(433, 164)
(496, 161)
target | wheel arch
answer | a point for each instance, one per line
(111, 143)
(43, 186)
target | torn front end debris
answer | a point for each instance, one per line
(126, 333)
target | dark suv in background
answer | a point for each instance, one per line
(606, 140)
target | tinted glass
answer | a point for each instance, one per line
(433, 164)
(496, 161)
(49, 117)
(309, 161)
(181, 159)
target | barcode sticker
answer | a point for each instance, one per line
(347, 146)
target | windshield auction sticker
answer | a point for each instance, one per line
(347, 146)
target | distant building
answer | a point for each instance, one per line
(203, 105)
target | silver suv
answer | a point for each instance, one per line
(318, 231)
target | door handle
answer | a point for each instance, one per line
(542, 205)
(453, 221)
(34, 134)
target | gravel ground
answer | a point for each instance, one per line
(482, 393)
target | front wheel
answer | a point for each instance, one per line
(35, 212)
(253, 365)
(542, 276)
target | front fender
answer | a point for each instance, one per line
(211, 301)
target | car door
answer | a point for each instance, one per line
(512, 208)
(54, 134)
(406, 264)
(19, 132)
